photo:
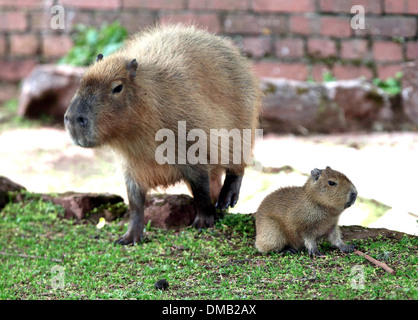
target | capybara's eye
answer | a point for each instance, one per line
(332, 183)
(117, 89)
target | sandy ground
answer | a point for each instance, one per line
(383, 166)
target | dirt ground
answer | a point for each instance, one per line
(383, 166)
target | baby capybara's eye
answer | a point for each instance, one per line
(117, 89)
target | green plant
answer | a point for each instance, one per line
(89, 42)
(391, 85)
(328, 77)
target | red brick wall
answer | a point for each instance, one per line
(294, 39)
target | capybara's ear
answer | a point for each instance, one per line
(99, 57)
(132, 67)
(315, 174)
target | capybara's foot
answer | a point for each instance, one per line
(288, 249)
(346, 248)
(229, 192)
(314, 252)
(130, 237)
(203, 221)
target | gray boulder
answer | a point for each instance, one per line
(48, 90)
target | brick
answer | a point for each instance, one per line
(295, 71)
(56, 46)
(412, 7)
(412, 50)
(388, 26)
(284, 6)
(354, 49)
(401, 6)
(344, 6)
(257, 47)
(304, 25)
(206, 21)
(92, 4)
(318, 71)
(226, 5)
(335, 26)
(346, 72)
(24, 45)
(133, 22)
(15, 70)
(395, 6)
(154, 4)
(26, 4)
(289, 48)
(388, 70)
(72, 18)
(254, 24)
(387, 51)
(41, 20)
(13, 21)
(322, 48)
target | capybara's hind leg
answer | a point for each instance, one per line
(230, 191)
(200, 186)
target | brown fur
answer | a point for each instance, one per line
(296, 217)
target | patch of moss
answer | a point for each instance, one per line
(301, 91)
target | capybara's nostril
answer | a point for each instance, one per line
(82, 121)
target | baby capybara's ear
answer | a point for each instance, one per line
(99, 57)
(315, 174)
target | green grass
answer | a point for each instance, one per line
(217, 263)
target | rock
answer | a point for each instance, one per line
(169, 211)
(79, 205)
(359, 232)
(364, 105)
(7, 185)
(410, 91)
(299, 107)
(166, 211)
(48, 91)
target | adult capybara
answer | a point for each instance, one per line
(171, 79)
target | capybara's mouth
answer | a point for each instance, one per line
(353, 197)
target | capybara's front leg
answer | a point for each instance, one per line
(230, 191)
(205, 216)
(136, 197)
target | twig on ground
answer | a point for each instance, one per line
(384, 266)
